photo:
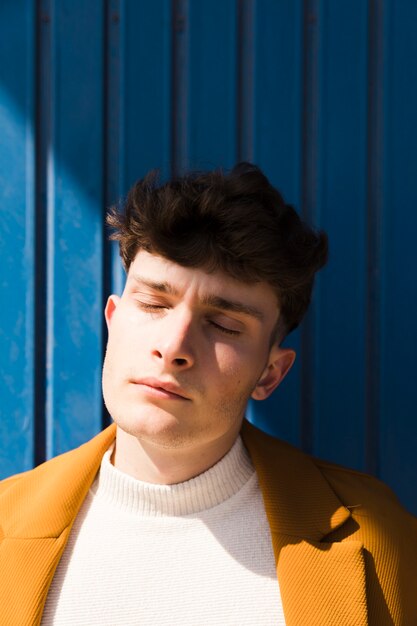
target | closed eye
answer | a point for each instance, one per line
(228, 331)
(150, 307)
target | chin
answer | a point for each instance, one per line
(153, 424)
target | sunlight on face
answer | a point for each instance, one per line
(186, 350)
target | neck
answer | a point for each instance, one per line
(148, 462)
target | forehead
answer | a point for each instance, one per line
(198, 283)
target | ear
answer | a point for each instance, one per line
(279, 364)
(111, 305)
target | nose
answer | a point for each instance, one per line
(173, 347)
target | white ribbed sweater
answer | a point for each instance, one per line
(197, 553)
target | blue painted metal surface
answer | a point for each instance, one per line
(17, 236)
(339, 418)
(71, 58)
(322, 95)
(211, 95)
(398, 261)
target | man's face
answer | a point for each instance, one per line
(186, 350)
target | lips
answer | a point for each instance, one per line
(170, 388)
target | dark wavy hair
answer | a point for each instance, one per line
(236, 222)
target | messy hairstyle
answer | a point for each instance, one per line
(235, 222)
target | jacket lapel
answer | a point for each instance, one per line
(27, 567)
(40, 510)
(321, 583)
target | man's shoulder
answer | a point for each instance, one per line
(8, 482)
(57, 485)
(360, 492)
(364, 493)
(371, 502)
(348, 476)
(88, 449)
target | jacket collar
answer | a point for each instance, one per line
(298, 500)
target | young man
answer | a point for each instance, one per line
(181, 512)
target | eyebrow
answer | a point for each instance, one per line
(163, 287)
(217, 302)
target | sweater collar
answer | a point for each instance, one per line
(209, 489)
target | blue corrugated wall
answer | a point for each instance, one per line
(321, 94)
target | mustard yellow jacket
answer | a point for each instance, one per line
(346, 551)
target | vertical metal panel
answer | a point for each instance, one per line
(399, 260)
(138, 97)
(180, 86)
(339, 397)
(277, 142)
(310, 198)
(277, 84)
(147, 80)
(246, 28)
(375, 177)
(75, 162)
(212, 83)
(114, 137)
(17, 228)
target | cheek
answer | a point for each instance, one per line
(116, 340)
(236, 365)
(121, 348)
(125, 329)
